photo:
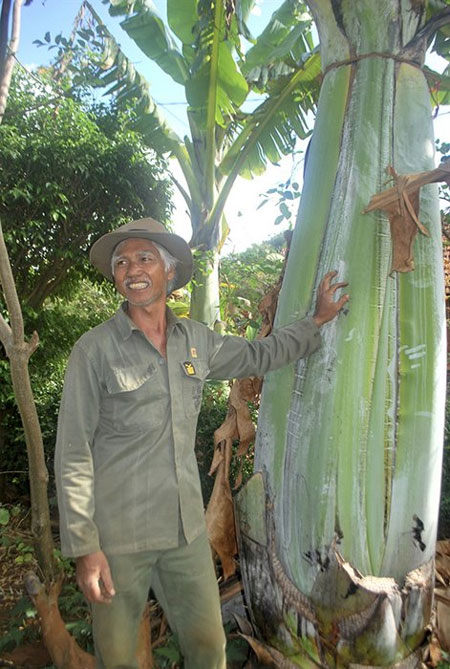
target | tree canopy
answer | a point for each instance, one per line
(68, 175)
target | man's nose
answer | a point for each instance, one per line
(133, 268)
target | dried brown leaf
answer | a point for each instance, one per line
(401, 203)
(228, 429)
(442, 628)
(262, 653)
(443, 562)
(268, 656)
(434, 652)
(220, 516)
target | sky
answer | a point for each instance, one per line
(248, 224)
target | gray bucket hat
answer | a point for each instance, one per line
(145, 228)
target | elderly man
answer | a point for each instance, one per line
(131, 509)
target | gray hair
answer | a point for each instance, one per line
(169, 261)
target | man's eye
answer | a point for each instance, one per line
(120, 262)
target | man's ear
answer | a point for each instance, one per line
(170, 273)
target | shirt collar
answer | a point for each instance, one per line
(126, 326)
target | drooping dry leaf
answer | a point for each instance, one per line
(268, 656)
(443, 618)
(434, 652)
(220, 515)
(443, 562)
(238, 425)
(441, 638)
(401, 203)
(226, 432)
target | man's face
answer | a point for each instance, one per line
(139, 273)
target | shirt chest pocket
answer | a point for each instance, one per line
(193, 376)
(135, 397)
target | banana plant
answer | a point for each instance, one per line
(200, 48)
(338, 523)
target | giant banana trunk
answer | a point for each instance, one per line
(338, 525)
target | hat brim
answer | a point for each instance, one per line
(102, 250)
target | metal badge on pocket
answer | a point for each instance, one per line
(189, 368)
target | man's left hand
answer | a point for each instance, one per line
(326, 307)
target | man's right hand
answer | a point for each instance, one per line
(94, 578)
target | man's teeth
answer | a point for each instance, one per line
(139, 285)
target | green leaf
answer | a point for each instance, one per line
(288, 34)
(232, 88)
(439, 85)
(182, 17)
(4, 516)
(270, 131)
(147, 29)
(243, 10)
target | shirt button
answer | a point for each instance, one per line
(161, 361)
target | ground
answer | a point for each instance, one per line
(20, 628)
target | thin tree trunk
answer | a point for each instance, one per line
(19, 352)
(338, 530)
(7, 64)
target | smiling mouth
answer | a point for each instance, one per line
(137, 285)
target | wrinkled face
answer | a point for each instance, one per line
(139, 272)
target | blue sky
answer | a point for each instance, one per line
(248, 224)
(58, 15)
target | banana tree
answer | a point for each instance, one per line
(338, 523)
(200, 49)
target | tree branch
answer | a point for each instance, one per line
(10, 292)
(4, 24)
(6, 72)
(416, 48)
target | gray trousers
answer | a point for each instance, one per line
(189, 595)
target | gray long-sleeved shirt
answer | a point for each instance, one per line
(126, 470)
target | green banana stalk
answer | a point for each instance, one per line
(341, 515)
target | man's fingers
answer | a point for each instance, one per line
(107, 582)
(327, 307)
(340, 284)
(94, 578)
(95, 593)
(342, 302)
(325, 283)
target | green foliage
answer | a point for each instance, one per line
(443, 148)
(212, 414)
(68, 175)
(288, 195)
(20, 627)
(23, 626)
(237, 648)
(168, 655)
(60, 322)
(4, 515)
(445, 662)
(245, 278)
